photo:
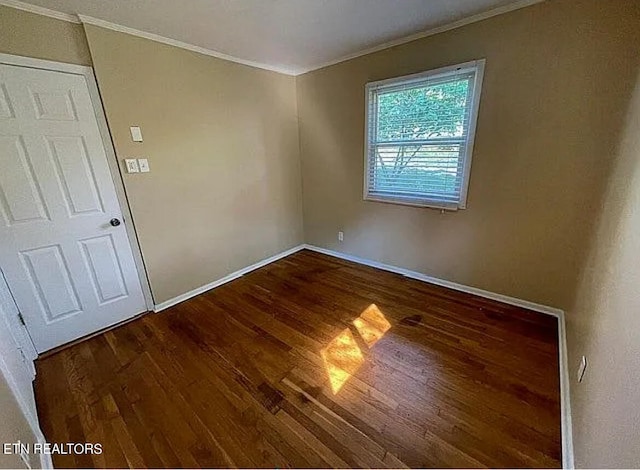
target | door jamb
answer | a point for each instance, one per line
(112, 160)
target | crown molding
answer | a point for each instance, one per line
(40, 10)
(83, 19)
(183, 45)
(284, 70)
(430, 32)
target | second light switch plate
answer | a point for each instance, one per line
(143, 163)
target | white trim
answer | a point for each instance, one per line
(228, 278)
(565, 399)
(287, 71)
(183, 45)
(38, 10)
(430, 32)
(30, 62)
(96, 102)
(32, 420)
(118, 183)
(556, 312)
(441, 72)
(45, 459)
(565, 396)
(17, 330)
(473, 121)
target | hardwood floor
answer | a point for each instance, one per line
(312, 362)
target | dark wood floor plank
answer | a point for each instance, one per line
(311, 362)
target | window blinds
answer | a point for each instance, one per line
(419, 136)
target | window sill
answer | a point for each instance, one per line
(414, 202)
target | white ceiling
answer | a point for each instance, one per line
(292, 36)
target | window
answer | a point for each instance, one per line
(419, 136)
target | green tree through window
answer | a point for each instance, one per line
(420, 113)
(419, 132)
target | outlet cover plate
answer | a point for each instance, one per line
(131, 164)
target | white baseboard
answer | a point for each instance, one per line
(228, 278)
(565, 405)
(556, 312)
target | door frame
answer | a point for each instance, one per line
(112, 159)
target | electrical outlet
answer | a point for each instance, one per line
(340, 236)
(131, 165)
(582, 369)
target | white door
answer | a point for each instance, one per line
(70, 271)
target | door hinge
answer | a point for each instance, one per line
(21, 318)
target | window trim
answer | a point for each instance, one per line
(478, 66)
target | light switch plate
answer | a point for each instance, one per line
(143, 163)
(136, 133)
(132, 165)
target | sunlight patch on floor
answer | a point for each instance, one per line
(372, 325)
(343, 357)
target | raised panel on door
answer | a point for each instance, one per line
(53, 104)
(6, 109)
(20, 193)
(69, 157)
(103, 263)
(51, 281)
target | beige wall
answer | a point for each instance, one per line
(224, 189)
(557, 80)
(31, 35)
(14, 428)
(604, 322)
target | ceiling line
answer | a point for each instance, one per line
(294, 72)
(430, 32)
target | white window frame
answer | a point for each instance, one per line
(371, 87)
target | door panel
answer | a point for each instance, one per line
(105, 267)
(75, 173)
(53, 105)
(6, 110)
(51, 282)
(70, 271)
(20, 195)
